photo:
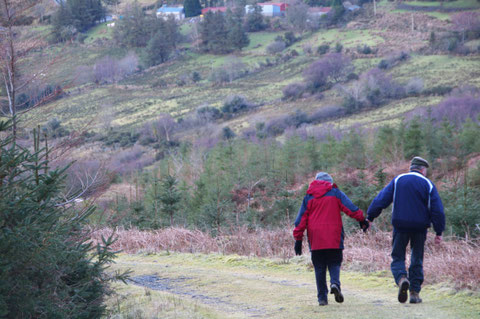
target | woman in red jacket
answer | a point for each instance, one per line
(320, 216)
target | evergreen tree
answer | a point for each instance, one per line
(158, 49)
(431, 137)
(80, 14)
(354, 150)
(469, 137)
(237, 37)
(135, 29)
(47, 267)
(413, 140)
(169, 196)
(338, 10)
(386, 144)
(192, 8)
(254, 21)
(213, 33)
(313, 154)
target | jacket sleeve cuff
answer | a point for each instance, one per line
(439, 234)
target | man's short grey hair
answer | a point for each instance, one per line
(322, 176)
(417, 167)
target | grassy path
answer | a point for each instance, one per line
(214, 286)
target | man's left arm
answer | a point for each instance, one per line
(437, 213)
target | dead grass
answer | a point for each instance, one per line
(456, 262)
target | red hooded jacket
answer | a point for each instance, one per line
(320, 215)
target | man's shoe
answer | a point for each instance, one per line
(334, 289)
(323, 302)
(415, 297)
(403, 286)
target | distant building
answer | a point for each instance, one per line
(270, 9)
(319, 11)
(214, 10)
(166, 11)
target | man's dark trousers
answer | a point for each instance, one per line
(323, 259)
(415, 271)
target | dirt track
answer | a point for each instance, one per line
(238, 287)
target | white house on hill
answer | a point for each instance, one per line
(165, 11)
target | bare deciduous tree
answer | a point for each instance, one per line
(465, 22)
(13, 51)
(164, 127)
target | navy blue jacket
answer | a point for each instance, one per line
(416, 204)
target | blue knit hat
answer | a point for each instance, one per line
(322, 176)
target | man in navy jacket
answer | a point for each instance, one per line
(416, 205)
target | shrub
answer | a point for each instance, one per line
(322, 49)
(296, 119)
(196, 77)
(393, 60)
(228, 133)
(438, 90)
(208, 114)
(325, 113)
(384, 64)
(331, 69)
(452, 44)
(338, 47)
(54, 129)
(365, 49)
(124, 139)
(220, 76)
(290, 38)
(235, 104)
(352, 76)
(233, 69)
(414, 86)
(293, 91)
(180, 82)
(276, 126)
(293, 53)
(276, 47)
(307, 49)
(457, 108)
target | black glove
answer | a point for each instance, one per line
(298, 247)
(364, 225)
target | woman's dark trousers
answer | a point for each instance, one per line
(322, 260)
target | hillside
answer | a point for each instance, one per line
(168, 89)
(263, 117)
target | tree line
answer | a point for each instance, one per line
(248, 179)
